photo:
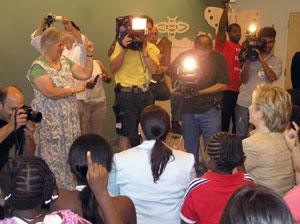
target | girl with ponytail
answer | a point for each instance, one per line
(152, 174)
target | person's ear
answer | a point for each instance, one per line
(140, 130)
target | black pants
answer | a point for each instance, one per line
(229, 102)
(160, 91)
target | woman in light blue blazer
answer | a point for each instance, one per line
(153, 175)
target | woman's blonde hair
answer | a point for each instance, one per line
(275, 104)
(50, 36)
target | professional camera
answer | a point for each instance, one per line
(51, 18)
(252, 42)
(136, 27)
(32, 115)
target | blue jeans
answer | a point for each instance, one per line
(193, 125)
(242, 120)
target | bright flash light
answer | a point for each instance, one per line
(252, 28)
(139, 23)
(190, 64)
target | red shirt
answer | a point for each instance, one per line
(231, 52)
(207, 196)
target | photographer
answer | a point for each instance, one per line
(201, 111)
(11, 99)
(133, 69)
(267, 68)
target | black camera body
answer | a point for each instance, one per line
(32, 115)
(124, 27)
(250, 45)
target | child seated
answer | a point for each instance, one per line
(206, 197)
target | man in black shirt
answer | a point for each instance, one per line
(11, 99)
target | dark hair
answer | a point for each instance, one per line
(102, 154)
(27, 182)
(4, 91)
(267, 32)
(295, 96)
(229, 28)
(74, 25)
(227, 151)
(155, 122)
(253, 204)
(200, 41)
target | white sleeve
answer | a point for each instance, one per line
(35, 42)
(112, 185)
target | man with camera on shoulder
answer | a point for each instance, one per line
(260, 66)
(15, 129)
(133, 61)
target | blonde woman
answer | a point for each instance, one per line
(51, 76)
(268, 158)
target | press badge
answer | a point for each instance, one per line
(261, 73)
(145, 87)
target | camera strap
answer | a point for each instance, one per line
(145, 84)
(18, 144)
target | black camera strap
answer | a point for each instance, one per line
(18, 144)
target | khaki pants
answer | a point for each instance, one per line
(93, 113)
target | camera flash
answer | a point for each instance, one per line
(252, 28)
(189, 64)
(139, 23)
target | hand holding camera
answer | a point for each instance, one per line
(49, 19)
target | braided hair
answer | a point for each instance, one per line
(227, 151)
(26, 182)
(101, 154)
(155, 122)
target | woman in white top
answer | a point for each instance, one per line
(154, 176)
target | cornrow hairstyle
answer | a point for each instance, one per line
(26, 182)
(101, 154)
(227, 151)
(155, 122)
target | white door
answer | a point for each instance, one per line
(293, 45)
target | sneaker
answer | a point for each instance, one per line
(176, 127)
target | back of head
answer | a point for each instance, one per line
(26, 182)
(155, 122)
(102, 154)
(100, 150)
(275, 104)
(50, 36)
(253, 204)
(203, 42)
(227, 151)
(267, 32)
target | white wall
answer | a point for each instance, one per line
(274, 12)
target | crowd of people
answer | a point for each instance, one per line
(64, 171)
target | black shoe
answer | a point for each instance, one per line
(176, 127)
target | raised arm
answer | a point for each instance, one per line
(97, 177)
(223, 24)
(83, 73)
(68, 26)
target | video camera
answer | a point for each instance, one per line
(32, 115)
(135, 26)
(252, 42)
(51, 18)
